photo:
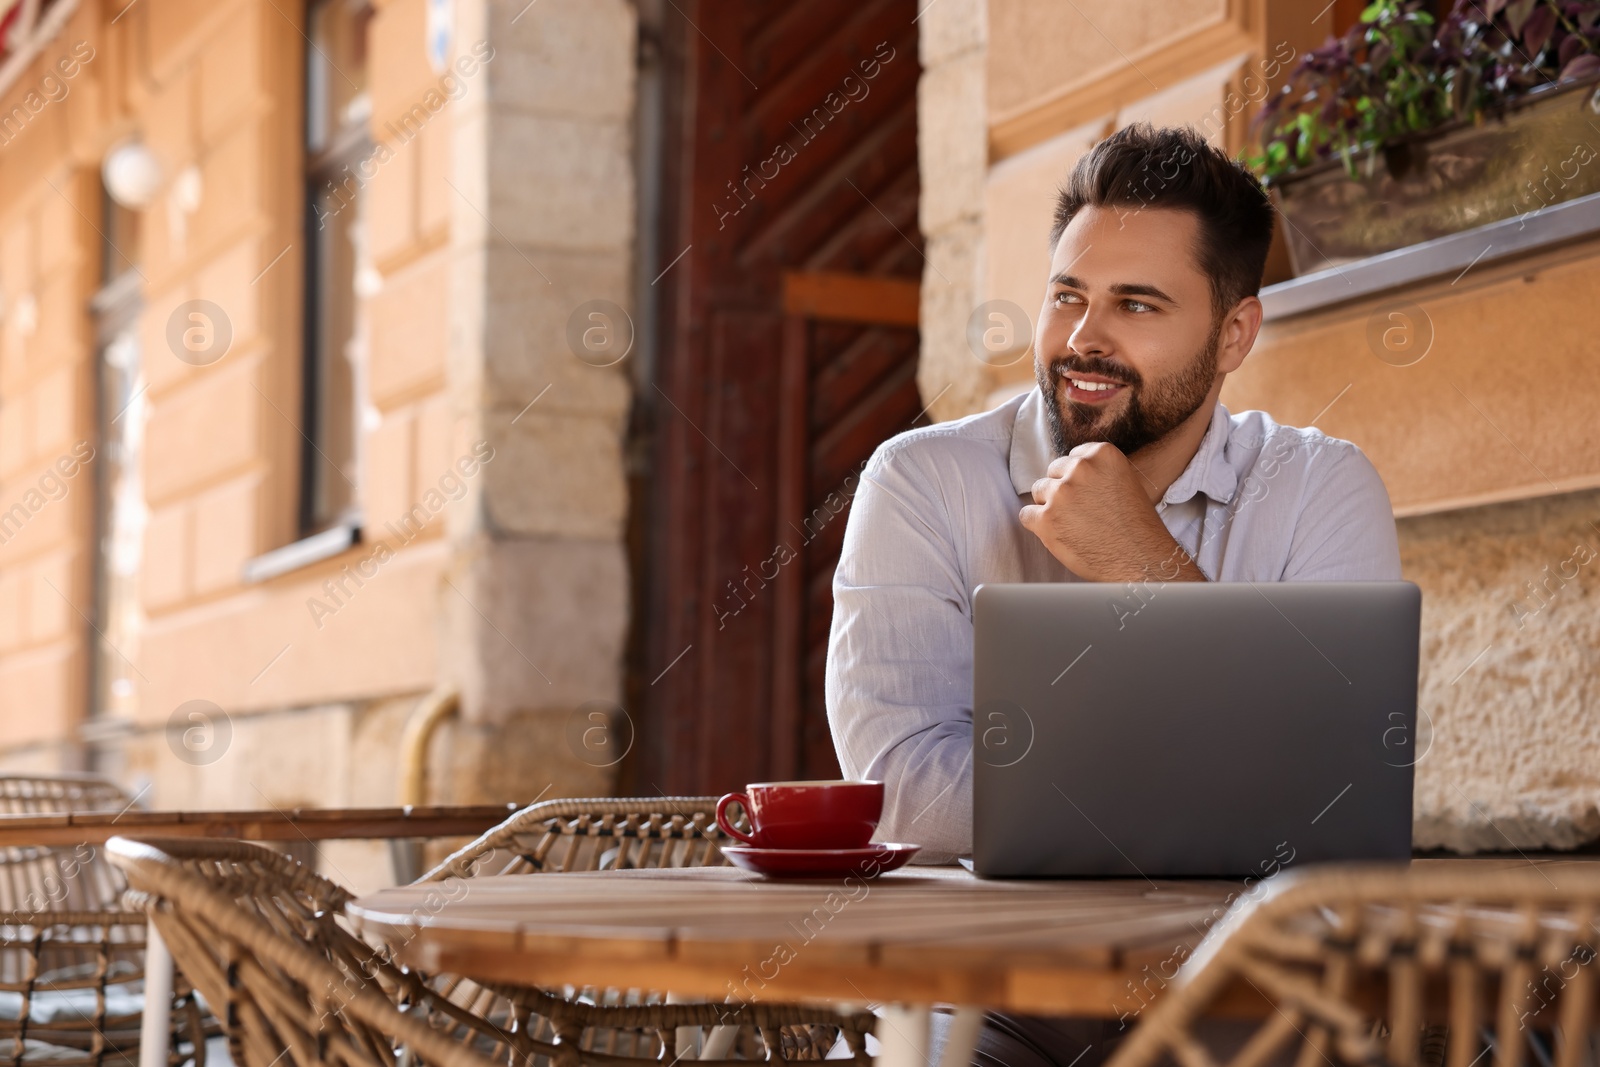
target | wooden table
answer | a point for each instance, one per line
(907, 940)
(913, 937)
(275, 824)
(929, 934)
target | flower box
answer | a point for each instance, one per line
(1541, 150)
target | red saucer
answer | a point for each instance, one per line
(821, 862)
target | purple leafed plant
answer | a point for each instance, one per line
(1400, 72)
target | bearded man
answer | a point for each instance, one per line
(1119, 466)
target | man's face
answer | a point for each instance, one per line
(1127, 342)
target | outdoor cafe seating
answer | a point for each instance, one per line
(264, 935)
(1445, 963)
(72, 955)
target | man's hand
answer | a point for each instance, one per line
(1092, 513)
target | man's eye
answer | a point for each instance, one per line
(1138, 306)
(1068, 298)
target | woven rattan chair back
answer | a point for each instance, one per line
(610, 833)
(77, 878)
(257, 932)
(260, 936)
(59, 794)
(1451, 965)
(72, 992)
(71, 959)
(620, 833)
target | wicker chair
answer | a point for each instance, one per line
(264, 936)
(71, 959)
(1461, 963)
(590, 835)
(57, 879)
(25, 794)
(615, 833)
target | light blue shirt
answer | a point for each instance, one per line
(936, 515)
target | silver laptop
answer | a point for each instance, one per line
(1223, 729)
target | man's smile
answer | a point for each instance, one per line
(1089, 391)
(1093, 389)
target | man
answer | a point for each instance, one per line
(1120, 466)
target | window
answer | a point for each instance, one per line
(119, 500)
(119, 238)
(337, 142)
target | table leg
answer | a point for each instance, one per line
(688, 1037)
(962, 1039)
(720, 1043)
(902, 1033)
(155, 1031)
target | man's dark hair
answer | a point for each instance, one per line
(1144, 166)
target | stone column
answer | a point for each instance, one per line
(535, 604)
(953, 155)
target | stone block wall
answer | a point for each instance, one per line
(953, 161)
(542, 229)
(1510, 693)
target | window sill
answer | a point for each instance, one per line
(302, 553)
(1450, 255)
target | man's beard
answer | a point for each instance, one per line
(1149, 414)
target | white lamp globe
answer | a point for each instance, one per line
(132, 174)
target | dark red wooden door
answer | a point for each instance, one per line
(791, 169)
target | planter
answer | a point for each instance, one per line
(1541, 151)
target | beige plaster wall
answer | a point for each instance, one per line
(1451, 428)
(1037, 48)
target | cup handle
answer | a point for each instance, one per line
(727, 824)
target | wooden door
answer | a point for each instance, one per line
(788, 353)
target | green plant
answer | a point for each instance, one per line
(1399, 72)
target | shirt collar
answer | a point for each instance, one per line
(1208, 472)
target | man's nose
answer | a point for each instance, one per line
(1089, 337)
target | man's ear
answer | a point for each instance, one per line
(1238, 334)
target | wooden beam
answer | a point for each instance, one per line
(278, 824)
(843, 297)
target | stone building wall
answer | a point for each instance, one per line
(1511, 634)
(542, 242)
(952, 155)
(47, 273)
(494, 208)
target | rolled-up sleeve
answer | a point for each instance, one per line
(899, 678)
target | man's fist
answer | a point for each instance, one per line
(1091, 511)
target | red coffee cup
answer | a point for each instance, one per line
(831, 815)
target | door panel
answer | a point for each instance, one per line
(761, 415)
